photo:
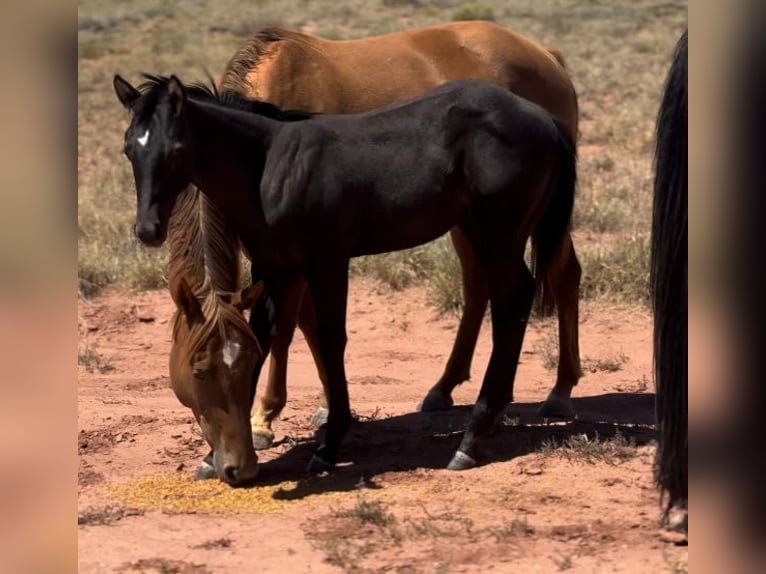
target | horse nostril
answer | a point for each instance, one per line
(230, 473)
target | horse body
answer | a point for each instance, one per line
(270, 178)
(299, 71)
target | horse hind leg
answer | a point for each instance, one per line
(475, 297)
(564, 282)
(512, 290)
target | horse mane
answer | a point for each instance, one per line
(669, 282)
(205, 254)
(249, 56)
(153, 86)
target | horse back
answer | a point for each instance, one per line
(299, 71)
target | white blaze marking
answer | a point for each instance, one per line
(143, 139)
(230, 352)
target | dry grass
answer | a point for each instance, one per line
(617, 53)
(93, 361)
(581, 448)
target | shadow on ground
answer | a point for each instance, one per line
(428, 440)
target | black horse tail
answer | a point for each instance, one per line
(669, 284)
(556, 221)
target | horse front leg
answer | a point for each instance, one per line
(287, 299)
(328, 285)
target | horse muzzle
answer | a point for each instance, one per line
(150, 233)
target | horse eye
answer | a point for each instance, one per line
(199, 373)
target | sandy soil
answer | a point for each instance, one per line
(553, 497)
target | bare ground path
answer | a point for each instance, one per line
(554, 497)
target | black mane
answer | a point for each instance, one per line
(153, 86)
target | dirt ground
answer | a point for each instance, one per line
(552, 496)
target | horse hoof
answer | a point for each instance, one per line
(206, 471)
(461, 461)
(557, 408)
(435, 401)
(678, 518)
(262, 439)
(318, 465)
(320, 417)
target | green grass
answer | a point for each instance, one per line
(617, 53)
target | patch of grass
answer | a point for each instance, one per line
(603, 213)
(367, 512)
(105, 516)
(164, 566)
(519, 526)
(609, 364)
(473, 12)
(217, 543)
(93, 361)
(616, 272)
(679, 566)
(564, 562)
(583, 449)
(446, 523)
(548, 348)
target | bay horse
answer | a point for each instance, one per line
(670, 288)
(306, 196)
(213, 350)
(299, 71)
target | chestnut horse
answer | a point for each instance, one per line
(214, 351)
(303, 72)
(669, 266)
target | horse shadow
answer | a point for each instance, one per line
(428, 440)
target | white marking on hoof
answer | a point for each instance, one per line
(230, 352)
(143, 139)
(461, 461)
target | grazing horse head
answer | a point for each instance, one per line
(159, 149)
(211, 364)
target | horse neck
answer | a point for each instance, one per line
(228, 138)
(202, 249)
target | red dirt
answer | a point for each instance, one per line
(389, 506)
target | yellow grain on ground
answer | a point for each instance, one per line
(181, 493)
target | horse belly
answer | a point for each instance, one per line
(395, 230)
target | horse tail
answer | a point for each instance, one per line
(669, 283)
(548, 237)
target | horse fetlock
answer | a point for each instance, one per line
(557, 406)
(435, 400)
(263, 438)
(318, 464)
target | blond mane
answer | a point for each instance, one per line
(206, 255)
(248, 56)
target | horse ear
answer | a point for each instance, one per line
(247, 298)
(184, 298)
(177, 94)
(126, 93)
